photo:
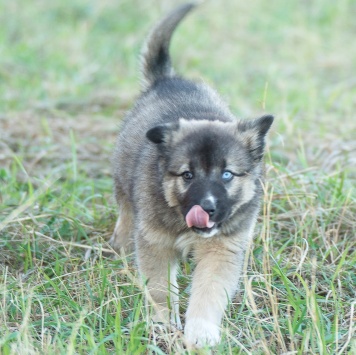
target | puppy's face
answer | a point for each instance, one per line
(210, 168)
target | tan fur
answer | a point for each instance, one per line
(178, 127)
(214, 282)
(122, 238)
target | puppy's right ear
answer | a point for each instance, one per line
(253, 133)
(162, 133)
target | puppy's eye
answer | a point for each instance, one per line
(227, 176)
(187, 175)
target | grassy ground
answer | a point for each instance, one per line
(68, 71)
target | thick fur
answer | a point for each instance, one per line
(180, 147)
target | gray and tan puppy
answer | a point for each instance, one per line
(187, 180)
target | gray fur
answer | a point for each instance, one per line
(177, 125)
(155, 59)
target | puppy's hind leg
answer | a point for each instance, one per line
(122, 239)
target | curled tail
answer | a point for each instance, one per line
(155, 59)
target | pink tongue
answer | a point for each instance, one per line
(197, 217)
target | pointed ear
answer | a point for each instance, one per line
(162, 133)
(253, 133)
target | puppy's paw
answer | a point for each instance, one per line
(199, 332)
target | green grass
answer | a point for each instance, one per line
(68, 71)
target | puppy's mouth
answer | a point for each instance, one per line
(203, 230)
(198, 218)
(200, 222)
(206, 232)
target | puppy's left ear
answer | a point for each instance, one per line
(162, 133)
(253, 133)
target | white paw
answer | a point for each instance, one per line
(199, 332)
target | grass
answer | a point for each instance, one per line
(68, 71)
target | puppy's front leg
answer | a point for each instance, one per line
(158, 266)
(215, 280)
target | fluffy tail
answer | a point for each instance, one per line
(155, 59)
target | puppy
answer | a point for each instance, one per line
(187, 180)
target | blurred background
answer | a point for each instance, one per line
(68, 73)
(79, 60)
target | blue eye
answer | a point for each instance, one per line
(227, 176)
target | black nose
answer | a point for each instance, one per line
(208, 205)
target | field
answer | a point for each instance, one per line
(68, 72)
